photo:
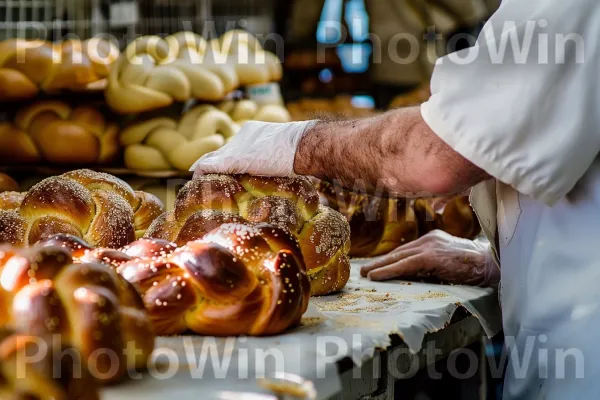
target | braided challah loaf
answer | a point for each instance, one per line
(98, 207)
(33, 367)
(379, 225)
(242, 111)
(164, 144)
(89, 305)
(53, 131)
(253, 64)
(238, 280)
(28, 67)
(153, 73)
(289, 203)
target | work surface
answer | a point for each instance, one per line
(352, 324)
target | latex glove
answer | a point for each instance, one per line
(438, 255)
(259, 148)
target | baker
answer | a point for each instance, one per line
(523, 129)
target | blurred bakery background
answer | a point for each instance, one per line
(71, 96)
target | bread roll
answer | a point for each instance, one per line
(30, 66)
(207, 202)
(52, 131)
(88, 305)
(164, 144)
(238, 280)
(96, 206)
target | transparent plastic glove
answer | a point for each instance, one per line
(259, 148)
(438, 255)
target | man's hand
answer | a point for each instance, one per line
(258, 149)
(438, 255)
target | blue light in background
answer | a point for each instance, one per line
(326, 75)
(354, 56)
(363, 101)
(329, 28)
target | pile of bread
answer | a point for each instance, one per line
(84, 256)
(151, 74)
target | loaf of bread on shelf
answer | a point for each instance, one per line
(254, 65)
(289, 203)
(379, 225)
(98, 207)
(88, 305)
(8, 184)
(54, 132)
(242, 111)
(239, 279)
(164, 144)
(33, 367)
(153, 73)
(28, 67)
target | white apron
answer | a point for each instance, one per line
(550, 290)
(535, 126)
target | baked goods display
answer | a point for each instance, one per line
(89, 305)
(242, 111)
(28, 67)
(54, 132)
(340, 106)
(8, 184)
(289, 203)
(239, 279)
(28, 366)
(153, 72)
(379, 225)
(98, 207)
(163, 143)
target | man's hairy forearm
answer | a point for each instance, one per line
(395, 153)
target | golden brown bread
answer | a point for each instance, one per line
(238, 280)
(289, 203)
(52, 131)
(379, 225)
(98, 207)
(88, 305)
(8, 184)
(31, 367)
(30, 66)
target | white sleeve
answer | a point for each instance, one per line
(532, 124)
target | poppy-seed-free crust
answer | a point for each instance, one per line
(288, 203)
(98, 207)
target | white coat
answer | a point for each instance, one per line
(531, 119)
